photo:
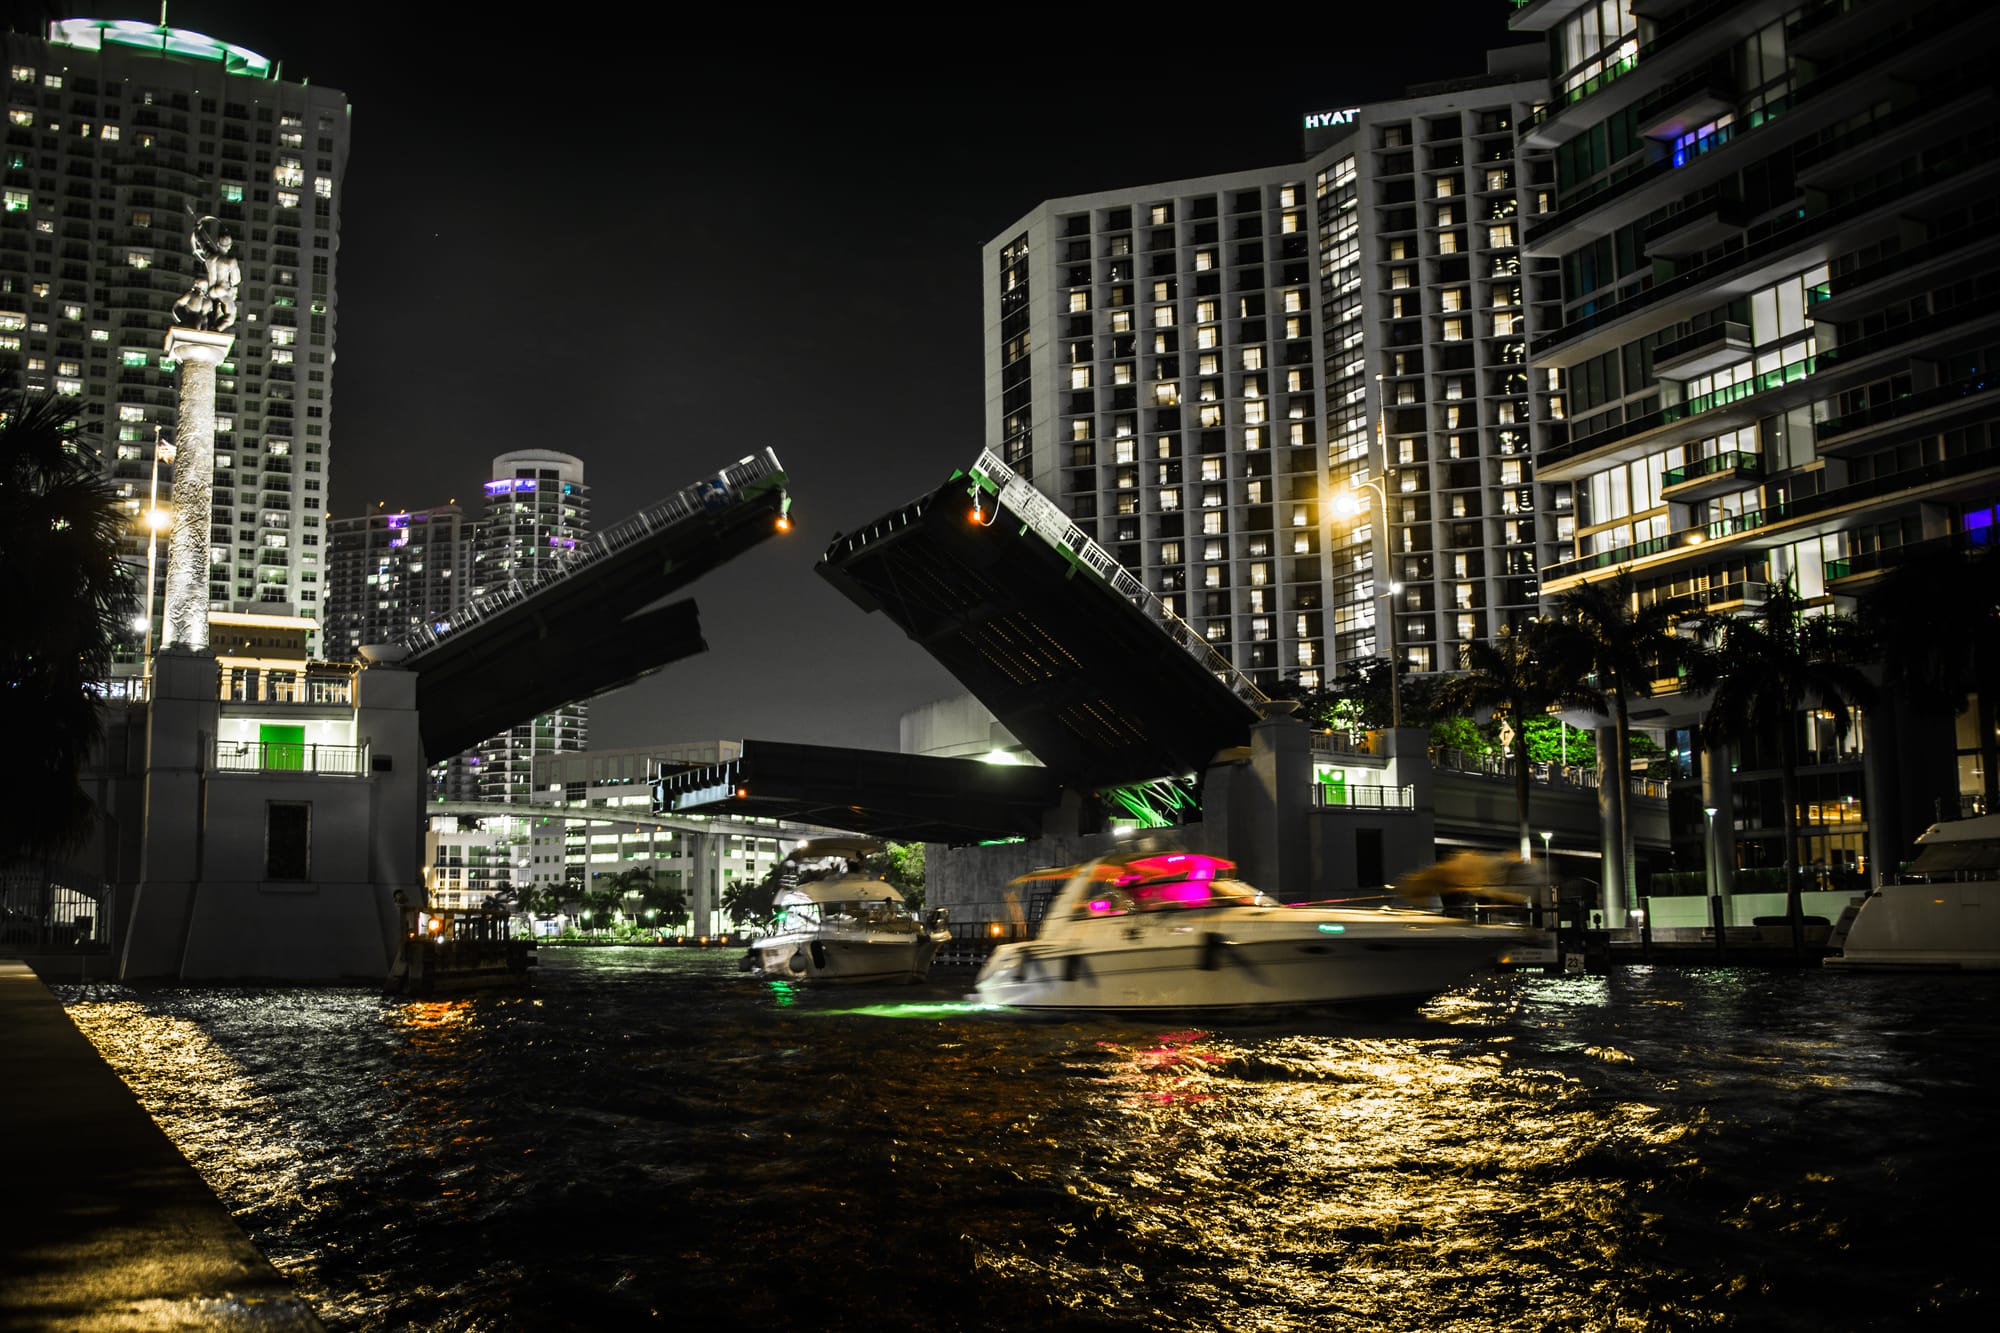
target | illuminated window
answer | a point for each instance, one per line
(17, 201)
(1288, 223)
(1447, 186)
(108, 132)
(26, 119)
(289, 172)
(1079, 377)
(1454, 330)
(1163, 317)
(1079, 302)
(24, 73)
(1204, 260)
(287, 199)
(232, 193)
(1121, 321)
(323, 186)
(1209, 365)
(1500, 236)
(1204, 312)
(1448, 243)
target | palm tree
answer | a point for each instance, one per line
(1516, 676)
(1622, 647)
(1957, 587)
(70, 598)
(1765, 668)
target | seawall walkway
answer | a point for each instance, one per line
(103, 1224)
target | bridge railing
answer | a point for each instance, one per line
(1054, 527)
(747, 476)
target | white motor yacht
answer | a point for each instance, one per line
(1152, 930)
(835, 922)
(1945, 919)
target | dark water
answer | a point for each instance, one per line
(652, 1139)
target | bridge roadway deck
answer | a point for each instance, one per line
(106, 1226)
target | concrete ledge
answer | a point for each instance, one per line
(105, 1225)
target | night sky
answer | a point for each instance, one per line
(659, 245)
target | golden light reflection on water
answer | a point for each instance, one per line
(196, 1092)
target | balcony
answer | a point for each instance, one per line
(1851, 573)
(1718, 474)
(1731, 406)
(1703, 352)
(1703, 223)
(1715, 25)
(1929, 409)
(348, 761)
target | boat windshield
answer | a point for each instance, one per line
(1166, 883)
(868, 914)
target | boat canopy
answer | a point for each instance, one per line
(819, 849)
(841, 889)
(1959, 844)
(1150, 881)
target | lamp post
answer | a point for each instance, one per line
(1549, 870)
(1708, 873)
(1395, 675)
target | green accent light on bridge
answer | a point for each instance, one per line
(1328, 928)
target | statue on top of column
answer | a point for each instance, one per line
(210, 301)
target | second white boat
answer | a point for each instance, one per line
(1145, 931)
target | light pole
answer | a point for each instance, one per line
(1395, 675)
(1549, 870)
(1708, 873)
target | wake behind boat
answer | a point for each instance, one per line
(1149, 930)
(835, 922)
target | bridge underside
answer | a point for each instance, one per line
(902, 797)
(1084, 678)
(599, 627)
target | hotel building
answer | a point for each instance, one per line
(118, 133)
(1775, 223)
(1297, 400)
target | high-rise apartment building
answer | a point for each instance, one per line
(1296, 400)
(1774, 221)
(119, 134)
(391, 573)
(537, 510)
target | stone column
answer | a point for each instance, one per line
(185, 620)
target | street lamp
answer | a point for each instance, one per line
(1548, 867)
(1395, 676)
(1708, 873)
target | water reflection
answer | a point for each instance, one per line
(653, 1139)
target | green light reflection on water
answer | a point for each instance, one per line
(931, 1009)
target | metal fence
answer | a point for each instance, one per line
(291, 757)
(52, 907)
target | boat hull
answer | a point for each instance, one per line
(904, 959)
(1222, 970)
(1950, 927)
